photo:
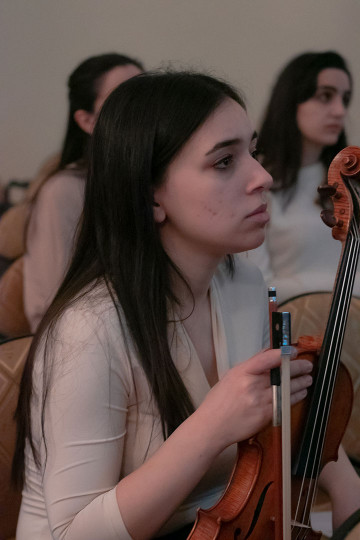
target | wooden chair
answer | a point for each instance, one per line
(13, 321)
(13, 354)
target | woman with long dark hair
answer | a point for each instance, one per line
(149, 364)
(58, 202)
(302, 131)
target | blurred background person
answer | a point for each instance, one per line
(57, 203)
(302, 131)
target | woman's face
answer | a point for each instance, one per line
(213, 197)
(321, 118)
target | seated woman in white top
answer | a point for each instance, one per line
(149, 364)
(58, 203)
(302, 131)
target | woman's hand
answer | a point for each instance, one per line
(237, 407)
(240, 404)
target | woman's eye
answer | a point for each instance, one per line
(325, 97)
(224, 162)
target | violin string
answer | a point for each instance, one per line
(340, 321)
(339, 333)
(302, 531)
(308, 496)
(344, 303)
(345, 298)
(328, 382)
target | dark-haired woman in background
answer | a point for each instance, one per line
(303, 130)
(148, 365)
(58, 203)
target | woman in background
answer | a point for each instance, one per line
(58, 203)
(302, 131)
(149, 364)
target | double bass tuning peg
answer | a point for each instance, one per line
(330, 220)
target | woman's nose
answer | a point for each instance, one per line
(261, 179)
(338, 107)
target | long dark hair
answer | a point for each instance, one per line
(279, 141)
(141, 128)
(83, 87)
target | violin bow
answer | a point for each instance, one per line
(280, 382)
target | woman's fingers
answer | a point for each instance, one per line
(263, 361)
(298, 396)
(271, 358)
(300, 379)
(300, 366)
(300, 383)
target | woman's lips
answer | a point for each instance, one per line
(334, 127)
(260, 214)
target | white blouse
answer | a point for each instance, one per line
(101, 423)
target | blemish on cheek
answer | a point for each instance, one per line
(210, 211)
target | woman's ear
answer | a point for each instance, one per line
(85, 120)
(159, 212)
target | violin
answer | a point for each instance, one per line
(249, 509)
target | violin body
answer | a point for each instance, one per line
(246, 510)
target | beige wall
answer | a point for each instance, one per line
(245, 41)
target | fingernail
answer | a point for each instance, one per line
(294, 352)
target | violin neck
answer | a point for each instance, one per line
(307, 461)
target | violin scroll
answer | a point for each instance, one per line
(350, 165)
(344, 189)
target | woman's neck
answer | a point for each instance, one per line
(310, 153)
(196, 265)
(195, 292)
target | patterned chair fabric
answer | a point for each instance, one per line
(13, 322)
(13, 354)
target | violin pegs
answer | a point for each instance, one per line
(327, 190)
(330, 220)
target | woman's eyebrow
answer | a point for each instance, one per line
(222, 144)
(229, 142)
(331, 88)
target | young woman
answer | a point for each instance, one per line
(303, 130)
(149, 364)
(57, 205)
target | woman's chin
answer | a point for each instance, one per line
(258, 241)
